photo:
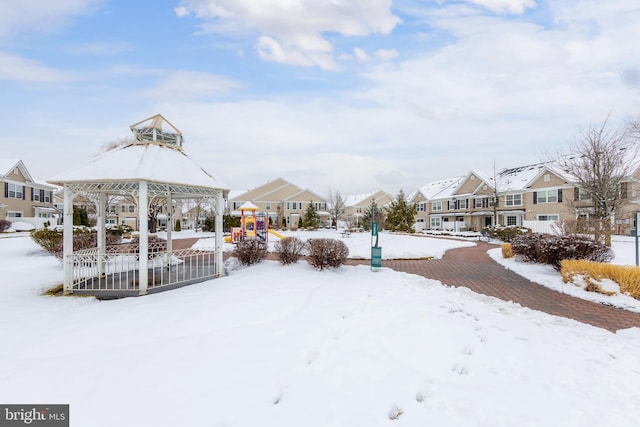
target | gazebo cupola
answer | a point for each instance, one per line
(157, 129)
(153, 167)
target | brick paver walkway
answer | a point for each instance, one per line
(473, 268)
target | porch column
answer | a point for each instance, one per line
(67, 239)
(101, 225)
(143, 218)
(169, 224)
(219, 234)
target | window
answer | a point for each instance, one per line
(548, 217)
(421, 207)
(463, 204)
(36, 194)
(123, 208)
(47, 196)
(512, 220)
(132, 208)
(44, 215)
(435, 223)
(546, 196)
(268, 206)
(436, 206)
(15, 191)
(112, 209)
(14, 214)
(513, 200)
(547, 178)
(480, 202)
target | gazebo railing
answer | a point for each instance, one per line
(117, 270)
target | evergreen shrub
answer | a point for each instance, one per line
(4, 225)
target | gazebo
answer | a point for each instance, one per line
(153, 166)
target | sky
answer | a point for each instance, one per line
(289, 345)
(348, 96)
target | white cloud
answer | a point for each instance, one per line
(386, 54)
(361, 55)
(41, 15)
(292, 32)
(505, 6)
(191, 84)
(17, 68)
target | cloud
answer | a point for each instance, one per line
(21, 69)
(631, 77)
(505, 6)
(293, 32)
(41, 15)
(191, 85)
(386, 54)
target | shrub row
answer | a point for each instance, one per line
(506, 234)
(322, 253)
(52, 240)
(551, 249)
(626, 276)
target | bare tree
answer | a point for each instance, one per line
(599, 162)
(112, 145)
(336, 207)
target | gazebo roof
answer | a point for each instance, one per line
(150, 159)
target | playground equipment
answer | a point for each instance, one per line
(253, 224)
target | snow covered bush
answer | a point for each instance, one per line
(4, 225)
(250, 251)
(550, 249)
(327, 253)
(290, 250)
(506, 234)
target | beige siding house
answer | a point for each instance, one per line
(523, 196)
(284, 202)
(356, 205)
(22, 197)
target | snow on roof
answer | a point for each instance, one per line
(135, 162)
(354, 199)
(440, 189)
(521, 177)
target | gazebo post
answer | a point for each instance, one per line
(143, 253)
(169, 225)
(67, 239)
(101, 225)
(219, 233)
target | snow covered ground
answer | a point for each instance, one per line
(274, 345)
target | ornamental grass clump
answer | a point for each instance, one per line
(627, 277)
(507, 251)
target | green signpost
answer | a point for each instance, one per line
(376, 251)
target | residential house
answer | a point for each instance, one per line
(284, 202)
(356, 205)
(23, 198)
(515, 197)
(432, 204)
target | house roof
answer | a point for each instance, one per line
(153, 161)
(8, 165)
(441, 189)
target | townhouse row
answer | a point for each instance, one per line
(524, 196)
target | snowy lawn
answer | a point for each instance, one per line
(394, 246)
(290, 346)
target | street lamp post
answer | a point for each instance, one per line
(455, 220)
